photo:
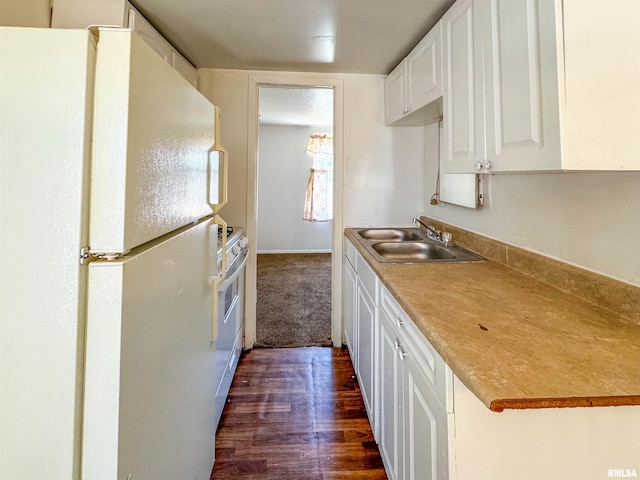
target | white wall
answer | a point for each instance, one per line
(283, 171)
(382, 166)
(591, 220)
(25, 13)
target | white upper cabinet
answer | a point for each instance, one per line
(462, 116)
(602, 85)
(395, 94)
(150, 35)
(413, 88)
(120, 13)
(540, 85)
(521, 85)
(82, 13)
(184, 68)
(424, 70)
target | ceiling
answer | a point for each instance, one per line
(296, 106)
(332, 36)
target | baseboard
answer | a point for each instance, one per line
(322, 250)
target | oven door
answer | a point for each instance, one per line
(230, 306)
(231, 288)
(230, 315)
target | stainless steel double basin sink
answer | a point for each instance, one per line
(410, 245)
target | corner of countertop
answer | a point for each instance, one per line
(614, 295)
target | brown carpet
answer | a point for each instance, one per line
(294, 300)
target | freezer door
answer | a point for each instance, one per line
(149, 393)
(153, 132)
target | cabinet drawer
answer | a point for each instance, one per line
(418, 347)
(350, 252)
(394, 311)
(367, 277)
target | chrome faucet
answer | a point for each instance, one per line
(436, 234)
(432, 232)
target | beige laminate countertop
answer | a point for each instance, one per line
(514, 341)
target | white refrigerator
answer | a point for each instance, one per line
(108, 260)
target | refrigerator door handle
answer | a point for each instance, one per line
(225, 159)
(223, 173)
(216, 204)
(218, 280)
(221, 201)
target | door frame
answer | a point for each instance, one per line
(301, 81)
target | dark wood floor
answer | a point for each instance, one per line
(296, 414)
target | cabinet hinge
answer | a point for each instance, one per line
(86, 255)
(480, 190)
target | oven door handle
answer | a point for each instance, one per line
(217, 281)
(228, 281)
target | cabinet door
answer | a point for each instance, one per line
(424, 70)
(463, 134)
(395, 95)
(350, 310)
(184, 68)
(425, 426)
(520, 84)
(366, 324)
(83, 13)
(391, 415)
(150, 35)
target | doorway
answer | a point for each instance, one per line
(294, 216)
(287, 81)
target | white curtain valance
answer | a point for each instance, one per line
(320, 144)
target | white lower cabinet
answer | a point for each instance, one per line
(425, 427)
(349, 308)
(413, 421)
(430, 426)
(390, 406)
(403, 380)
(360, 325)
(366, 339)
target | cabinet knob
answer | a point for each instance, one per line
(401, 353)
(400, 350)
(486, 166)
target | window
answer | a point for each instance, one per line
(318, 205)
